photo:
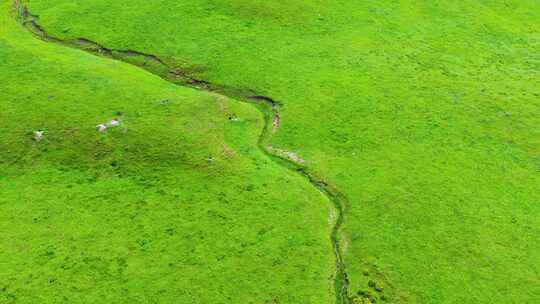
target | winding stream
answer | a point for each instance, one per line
(268, 106)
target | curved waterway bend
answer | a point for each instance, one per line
(268, 106)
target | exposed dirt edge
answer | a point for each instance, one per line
(269, 107)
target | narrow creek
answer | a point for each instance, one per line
(268, 106)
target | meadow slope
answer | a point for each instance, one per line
(424, 114)
(176, 205)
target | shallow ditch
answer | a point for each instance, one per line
(268, 106)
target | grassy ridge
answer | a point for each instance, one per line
(424, 114)
(176, 205)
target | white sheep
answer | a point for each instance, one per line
(113, 123)
(38, 135)
(101, 127)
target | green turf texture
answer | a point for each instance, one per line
(424, 114)
(180, 208)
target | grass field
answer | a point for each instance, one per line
(422, 115)
(178, 207)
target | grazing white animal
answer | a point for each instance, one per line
(101, 128)
(113, 123)
(38, 135)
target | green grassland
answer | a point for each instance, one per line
(425, 115)
(177, 206)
